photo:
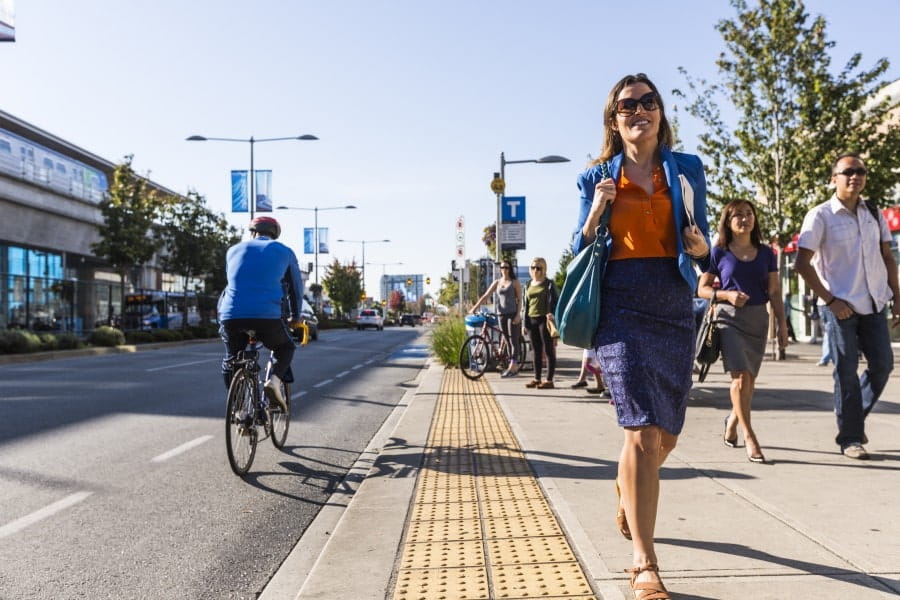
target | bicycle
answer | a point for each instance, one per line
(248, 409)
(487, 348)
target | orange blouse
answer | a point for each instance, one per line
(642, 226)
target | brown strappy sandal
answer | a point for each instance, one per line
(647, 590)
(621, 520)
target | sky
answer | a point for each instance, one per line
(413, 102)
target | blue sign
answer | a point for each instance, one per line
(512, 209)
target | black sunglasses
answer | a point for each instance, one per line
(861, 171)
(505, 267)
(628, 106)
(537, 268)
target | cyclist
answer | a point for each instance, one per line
(259, 271)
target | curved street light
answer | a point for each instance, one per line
(316, 210)
(363, 242)
(251, 201)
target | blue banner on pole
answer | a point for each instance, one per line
(239, 191)
(263, 191)
(309, 242)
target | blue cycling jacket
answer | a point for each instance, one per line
(260, 272)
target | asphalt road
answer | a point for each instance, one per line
(114, 481)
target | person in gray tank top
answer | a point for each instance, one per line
(509, 308)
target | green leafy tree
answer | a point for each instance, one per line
(794, 115)
(564, 261)
(448, 294)
(130, 211)
(489, 237)
(195, 240)
(344, 285)
(315, 290)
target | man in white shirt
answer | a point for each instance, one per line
(845, 258)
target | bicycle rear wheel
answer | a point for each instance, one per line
(280, 420)
(474, 356)
(240, 434)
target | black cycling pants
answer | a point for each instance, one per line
(274, 335)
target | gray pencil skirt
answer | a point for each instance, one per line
(743, 332)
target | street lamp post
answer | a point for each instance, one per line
(316, 210)
(251, 201)
(552, 158)
(363, 242)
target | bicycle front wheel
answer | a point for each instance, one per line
(240, 434)
(474, 356)
(280, 420)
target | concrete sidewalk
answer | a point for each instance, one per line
(809, 524)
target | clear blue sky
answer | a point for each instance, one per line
(413, 101)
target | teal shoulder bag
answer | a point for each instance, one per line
(578, 308)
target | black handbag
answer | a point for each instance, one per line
(708, 343)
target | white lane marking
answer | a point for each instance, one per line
(43, 513)
(321, 383)
(183, 364)
(369, 362)
(181, 449)
(355, 367)
(341, 374)
(298, 394)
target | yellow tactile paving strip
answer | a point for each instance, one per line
(480, 526)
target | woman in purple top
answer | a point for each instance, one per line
(747, 271)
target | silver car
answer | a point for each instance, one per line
(369, 318)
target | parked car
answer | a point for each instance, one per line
(411, 320)
(369, 318)
(309, 317)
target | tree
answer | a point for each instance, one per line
(489, 237)
(129, 212)
(396, 300)
(344, 285)
(564, 261)
(316, 290)
(794, 115)
(195, 240)
(448, 295)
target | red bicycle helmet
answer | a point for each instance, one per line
(266, 226)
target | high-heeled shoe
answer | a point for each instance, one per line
(757, 458)
(621, 520)
(733, 442)
(647, 590)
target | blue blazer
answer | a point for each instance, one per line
(674, 163)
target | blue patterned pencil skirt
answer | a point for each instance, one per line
(645, 342)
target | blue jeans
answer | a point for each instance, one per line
(854, 396)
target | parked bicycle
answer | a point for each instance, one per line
(488, 348)
(249, 417)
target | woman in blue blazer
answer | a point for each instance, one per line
(658, 230)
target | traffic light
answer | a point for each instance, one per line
(409, 281)
(384, 302)
(363, 297)
(453, 265)
(428, 281)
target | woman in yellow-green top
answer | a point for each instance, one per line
(540, 302)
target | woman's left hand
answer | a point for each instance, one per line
(783, 340)
(693, 241)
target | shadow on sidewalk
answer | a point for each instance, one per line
(837, 573)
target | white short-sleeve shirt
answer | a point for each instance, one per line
(847, 257)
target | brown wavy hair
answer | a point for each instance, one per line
(612, 141)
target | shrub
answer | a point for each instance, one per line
(69, 341)
(16, 341)
(106, 336)
(446, 340)
(166, 335)
(48, 341)
(207, 330)
(138, 337)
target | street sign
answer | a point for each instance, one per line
(512, 209)
(460, 237)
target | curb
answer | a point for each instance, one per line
(7, 359)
